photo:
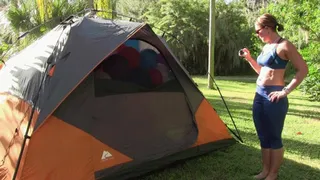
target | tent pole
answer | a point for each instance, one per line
(35, 101)
(26, 136)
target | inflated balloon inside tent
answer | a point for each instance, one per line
(137, 62)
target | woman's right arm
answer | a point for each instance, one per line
(255, 66)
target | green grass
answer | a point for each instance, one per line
(241, 161)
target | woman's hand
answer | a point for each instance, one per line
(246, 53)
(277, 95)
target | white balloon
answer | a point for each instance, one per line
(164, 71)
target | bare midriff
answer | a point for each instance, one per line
(271, 77)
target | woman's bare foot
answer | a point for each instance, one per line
(261, 175)
(272, 176)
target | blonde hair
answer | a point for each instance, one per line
(270, 21)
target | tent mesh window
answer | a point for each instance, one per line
(136, 66)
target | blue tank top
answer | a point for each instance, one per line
(271, 59)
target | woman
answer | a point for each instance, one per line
(270, 103)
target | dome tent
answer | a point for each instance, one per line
(81, 127)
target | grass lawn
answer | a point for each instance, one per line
(241, 161)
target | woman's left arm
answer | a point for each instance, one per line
(298, 62)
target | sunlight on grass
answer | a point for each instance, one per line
(302, 156)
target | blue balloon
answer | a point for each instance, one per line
(133, 43)
(148, 59)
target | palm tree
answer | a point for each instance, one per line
(27, 14)
(3, 3)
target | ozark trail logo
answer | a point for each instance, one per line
(106, 156)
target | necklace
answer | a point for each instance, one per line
(276, 40)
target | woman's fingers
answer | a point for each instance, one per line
(275, 96)
(246, 50)
(271, 94)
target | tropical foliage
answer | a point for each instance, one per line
(35, 18)
(133, 8)
(3, 2)
(105, 7)
(184, 24)
(301, 20)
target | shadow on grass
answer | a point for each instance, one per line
(241, 79)
(304, 114)
(239, 162)
(239, 111)
(234, 105)
(237, 88)
(303, 149)
(217, 101)
(223, 92)
(225, 83)
(305, 105)
(245, 80)
(248, 96)
(300, 98)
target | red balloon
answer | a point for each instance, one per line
(120, 48)
(116, 66)
(132, 55)
(156, 76)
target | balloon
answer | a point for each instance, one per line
(120, 48)
(148, 58)
(156, 76)
(132, 55)
(161, 60)
(164, 71)
(141, 77)
(116, 66)
(133, 43)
